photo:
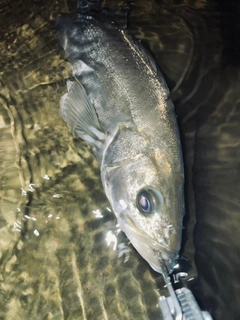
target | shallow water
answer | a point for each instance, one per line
(54, 258)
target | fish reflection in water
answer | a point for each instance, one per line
(120, 104)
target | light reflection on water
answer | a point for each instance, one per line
(62, 255)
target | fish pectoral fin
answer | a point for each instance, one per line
(80, 115)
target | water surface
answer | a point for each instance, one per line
(54, 217)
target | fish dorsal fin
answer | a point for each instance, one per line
(80, 115)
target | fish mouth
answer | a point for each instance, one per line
(152, 251)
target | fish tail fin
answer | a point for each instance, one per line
(80, 115)
(83, 6)
(88, 7)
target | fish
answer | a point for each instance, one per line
(120, 104)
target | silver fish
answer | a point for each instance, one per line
(120, 104)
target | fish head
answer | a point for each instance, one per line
(146, 195)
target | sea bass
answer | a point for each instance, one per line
(120, 104)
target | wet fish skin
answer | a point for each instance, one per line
(120, 104)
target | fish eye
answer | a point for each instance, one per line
(144, 202)
(148, 201)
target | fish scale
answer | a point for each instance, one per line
(133, 130)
